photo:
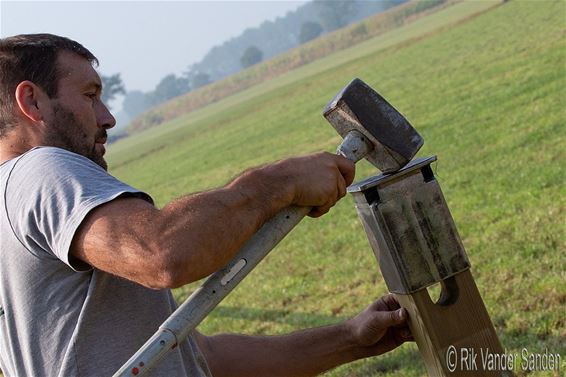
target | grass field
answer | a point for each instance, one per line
(488, 95)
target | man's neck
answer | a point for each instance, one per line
(10, 149)
(17, 142)
(6, 156)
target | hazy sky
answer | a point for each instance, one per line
(143, 40)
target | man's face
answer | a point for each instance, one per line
(78, 119)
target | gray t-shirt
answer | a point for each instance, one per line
(58, 317)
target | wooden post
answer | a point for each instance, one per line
(457, 339)
(416, 243)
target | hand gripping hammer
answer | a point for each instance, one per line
(371, 128)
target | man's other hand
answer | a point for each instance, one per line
(381, 327)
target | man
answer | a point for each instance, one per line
(87, 261)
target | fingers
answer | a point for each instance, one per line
(404, 333)
(392, 318)
(382, 326)
(391, 302)
(347, 169)
(320, 180)
(395, 318)
(400, 336)
(341, 188)
(341, 166)
(340, 193)
(393, 339)
(390, 312)
(386, 303)
(318, 211)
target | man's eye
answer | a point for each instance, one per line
(92, 96)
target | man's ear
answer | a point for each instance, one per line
(30, 99)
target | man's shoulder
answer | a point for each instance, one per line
(44, 168)
(44, 153)
(51, 160)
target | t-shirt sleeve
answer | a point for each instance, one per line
(49, 192)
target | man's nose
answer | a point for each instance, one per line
(105, 118)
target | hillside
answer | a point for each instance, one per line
(485, 86)
(284, 32)
(285, 62)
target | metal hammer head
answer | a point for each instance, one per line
(358, 107)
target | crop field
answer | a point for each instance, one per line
(487, 90)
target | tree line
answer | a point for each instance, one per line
(306, 23)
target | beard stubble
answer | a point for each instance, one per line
(68, 133)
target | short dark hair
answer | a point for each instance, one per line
(32, 57)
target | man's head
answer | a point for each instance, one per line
(50, 95)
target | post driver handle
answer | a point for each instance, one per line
(189, 314)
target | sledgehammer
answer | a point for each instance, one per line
(371, 128)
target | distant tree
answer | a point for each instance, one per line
(281, 34)
(251, 56)
(111, 86)
(359, 31)
(201, 79)
(170, 86)
(335, 14)
(135, 103)
(309, 30)
(197, 78)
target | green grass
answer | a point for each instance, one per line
(488, 95)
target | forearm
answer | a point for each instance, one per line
(198, 234)
(225, 219)
(379, 328)
(304, 353)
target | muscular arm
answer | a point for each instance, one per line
(379, 328)
(198, 234)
